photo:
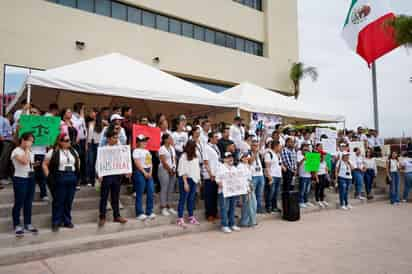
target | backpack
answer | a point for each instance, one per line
(262, 158)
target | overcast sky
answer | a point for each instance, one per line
(344, 84)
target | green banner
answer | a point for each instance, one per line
(312, 162)
(44, 128)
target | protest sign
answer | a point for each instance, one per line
(329, 146)
(234, 183)
(360, 145)
(113, 160)
(264, 121)
(312, 162)
(45, 129)
(330, 133)
(153, 144)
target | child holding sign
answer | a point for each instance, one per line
(142, 178)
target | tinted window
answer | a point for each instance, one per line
(249, 46)
(187, 30)
(69, 3)
(209, 36)
(119, 11)
(162, 23)
(86, 5)
(134, 15)
(230, 41)
(199, 33)
(260, 49)
(148, 19)
(220, 39)
(240, 44)
(175, 26)
(103, 7)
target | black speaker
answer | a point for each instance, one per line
(290, 203)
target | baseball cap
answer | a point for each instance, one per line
(244, 154)
(142, 138)
(116, 117)
(228, 155)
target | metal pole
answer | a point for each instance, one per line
(375, 97)
(28, 96)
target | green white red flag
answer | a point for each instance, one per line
(366, 30)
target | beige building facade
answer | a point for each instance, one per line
(218, 42)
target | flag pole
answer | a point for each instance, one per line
(375, 97)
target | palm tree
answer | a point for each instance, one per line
(298, 71)
(402, 25)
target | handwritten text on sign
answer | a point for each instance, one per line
(113, 160)
(234, 183)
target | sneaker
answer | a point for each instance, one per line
(141, 217)
(31, 228)
(321, 205)
(344, 208)
(69, 225)
(226, 229)
(45, 199)
(102, 221)
(165, 212)
(309, 204)
(235, 228)
(349, 207)
(152, 216)
(5, 182)
(193, 221)
(77, 187)
(361, 198)
(181, 222)
(275, 210)
(89, 185)
(120, 220)
(302, 205)
(172, 211)
(19, 231)
(404, 201)
(325, 203)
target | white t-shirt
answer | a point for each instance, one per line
(275, 163)
(143, 156)
(370, 163)
(257, 169)
(190, 169)
(344, 170)
(20, 170)
(212, 155)
(180, 139)
(358, 162)
(204, 137)
(66, 159)
(322, 168)
(235, 134)
(393, 165)
(407, 164)
(169, 154)
(302, 172)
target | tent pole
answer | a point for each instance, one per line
(28, 96)
(237, 111)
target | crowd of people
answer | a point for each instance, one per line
(194, 159)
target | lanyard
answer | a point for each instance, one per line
(171, 155)
(66, 154)
(215, 149)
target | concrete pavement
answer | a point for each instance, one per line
(375, 238)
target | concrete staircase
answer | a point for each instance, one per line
(88, 236)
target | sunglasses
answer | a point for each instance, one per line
(65, 140)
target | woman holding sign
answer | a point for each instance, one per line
(62, 167)
(189, 177)
(142, 178)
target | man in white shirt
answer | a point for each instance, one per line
(80, 124)
(204, 132)
(375, 143)
(212, 154)
(235, 131)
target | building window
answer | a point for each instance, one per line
(119, 11)
(254, 4)
(132, 14)
(217, 88)
(103, 7)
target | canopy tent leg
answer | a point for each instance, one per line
(28, 97)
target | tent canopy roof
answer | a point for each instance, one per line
(252, 98)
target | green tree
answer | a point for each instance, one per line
(298, 71)
(402, 25)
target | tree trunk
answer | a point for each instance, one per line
(296, 86)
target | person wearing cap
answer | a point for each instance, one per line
(321, 181)
(180, 136)
(189, 178)
(167, 174)
(305, 178)
(115, 124)
(258, 180)
(110, 184)
(143, 179)
(273, 173)
(212, 153)
(358, 172)
(249, 205)
(344, 174)
(227, 205)
(62, 167)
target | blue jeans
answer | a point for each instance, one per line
(62, 204)
(23, 198)
(304, 189)
(140, 184)
(186, 197)
(259, 184)
(39, 176)
(394, 187)
(227, 210)
(408, 185)
(369, 176)
(272, 192)
(343, 185)
(249, 206)
(358, 180)
(91, 162)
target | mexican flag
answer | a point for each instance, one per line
(366, 31)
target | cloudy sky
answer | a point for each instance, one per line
(344, 84)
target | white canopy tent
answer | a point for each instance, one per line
(116, 79)
(251, 98)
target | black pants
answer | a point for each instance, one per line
(320, 188)
(210, 197)
(287, 181)
(110, 184)
(81, 150)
